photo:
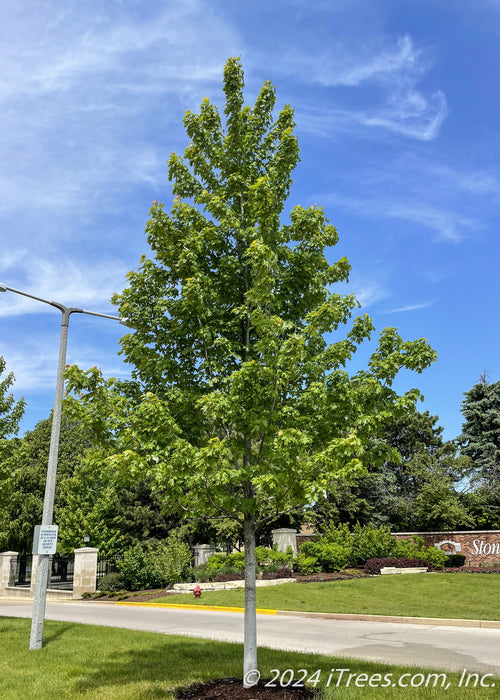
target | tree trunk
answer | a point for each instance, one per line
(250, 636)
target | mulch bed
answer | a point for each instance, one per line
(146, 596)
(232, 689)
(139, 597)
(334, 576)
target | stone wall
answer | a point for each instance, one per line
(481, 548)
(305, 538)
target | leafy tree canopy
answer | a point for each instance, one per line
(11, 411)
(247, 411)
(23, 481)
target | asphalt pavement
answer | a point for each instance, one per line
(438, 647)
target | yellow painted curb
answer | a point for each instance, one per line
(180, 606)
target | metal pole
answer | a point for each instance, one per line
(42, 575)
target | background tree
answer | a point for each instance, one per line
(422, 490)
(480, 438)
(11, 413)
(23, 482)
(480, 441)
(116, 512)
(247, 410)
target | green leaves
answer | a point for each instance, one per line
(11, 411)
(240, 405)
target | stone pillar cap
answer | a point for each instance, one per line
(86, 550)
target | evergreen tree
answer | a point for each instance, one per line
(480, 441)
(480, 438)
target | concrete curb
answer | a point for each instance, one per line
(431, 621)
(435, 621)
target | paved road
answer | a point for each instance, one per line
(451, 648)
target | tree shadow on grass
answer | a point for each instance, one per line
(50, 636)
(169, 663)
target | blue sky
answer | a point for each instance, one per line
(397, 110)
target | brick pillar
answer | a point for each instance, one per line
(85, 575)
(7, 570)
(285, 537)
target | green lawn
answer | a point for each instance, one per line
(81, 661)
(466, 596)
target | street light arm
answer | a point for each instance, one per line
(123, 321)
(64, 309)
(6, 288)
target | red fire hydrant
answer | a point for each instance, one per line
(197, 591)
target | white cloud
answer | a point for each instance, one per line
(410, 115)
(90, 283)
(369, 293)
(34, 362)
(79, 85)
(407, 115)
(137, 52)
(395, 70)
(446, 223)
(348, 66)
(410, 307)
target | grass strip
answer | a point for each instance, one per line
(86, 662)
(454, 596)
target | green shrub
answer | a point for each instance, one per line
(215, 563)
(331, 556)
(416, 549)
(138, 568)
(271, 557)
(224, 563)
(455, 560)
(200, 573)
(370, 542)
(336, 534)
(111, 582)
(306, 564)
(173, 561)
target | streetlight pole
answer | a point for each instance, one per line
(42, 575)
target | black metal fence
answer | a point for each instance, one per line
(107, 565)
(22, 570)
(62, 572)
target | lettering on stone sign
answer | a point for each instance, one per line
(481, 547)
